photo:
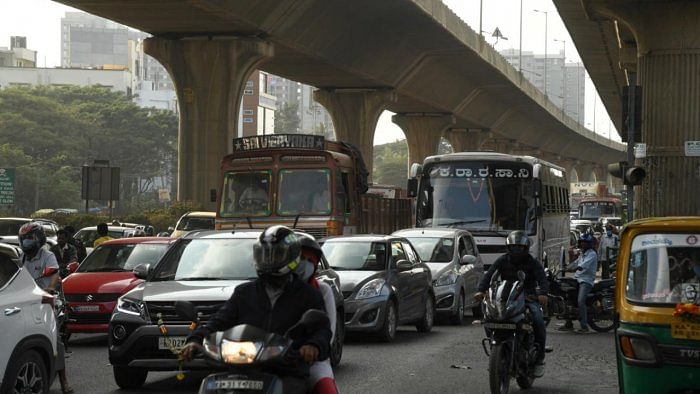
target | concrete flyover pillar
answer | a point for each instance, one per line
(355, 113)
(500, 145)
(209, 77)
(423, 132)
(463, 140)
(668, 50)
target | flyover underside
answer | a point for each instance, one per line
(420, 49)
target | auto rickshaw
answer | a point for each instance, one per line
(657, 334)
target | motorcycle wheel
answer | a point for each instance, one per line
(525, 382)
(600, 318)
(499, 369)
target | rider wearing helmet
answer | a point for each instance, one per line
(36, 258)
(517, 259)
(274, 302)
(321, 379)
(585, 267)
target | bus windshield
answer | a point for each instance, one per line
(304, 192)
(246, 194)
(481, 195)
(596, 209)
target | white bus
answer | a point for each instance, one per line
(491, 194)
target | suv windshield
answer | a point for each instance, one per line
(356, 256)
(115, 258)
(304, 192)
(434, 250)
(209, 259)
(246, 194)
(664, 269)
(88, 236)
(190, 223)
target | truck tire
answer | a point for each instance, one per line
(129, 378)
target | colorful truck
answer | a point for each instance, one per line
(306, 182)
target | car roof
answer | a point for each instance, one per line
(671, 223)
(223, 234)
(109, 228)
(365, 238)
(139, 240)
(430, 232)
(13, 219)
(203, 214)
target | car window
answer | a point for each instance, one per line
(8, 268)
(433, 249)
(412, 256)
(107, 258)
(10, 227)
(469, 244)
(88, 237)
(145, 254)
(397, 253)
(356, 256)
(208, 259)
(195, 223)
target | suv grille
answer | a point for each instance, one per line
(167, 311)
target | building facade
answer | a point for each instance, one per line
(258, 106)
(313, 118)
(115, 80)
(565, 82)
(17, 55)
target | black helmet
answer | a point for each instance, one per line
(307, 241)
(517, 243)
(31, 237)
(277, 251)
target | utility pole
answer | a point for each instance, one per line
(632, 79)
(481, 15)
(563, 78)
(520, 47)
(545, 50)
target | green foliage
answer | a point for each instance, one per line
(391, 164)
(287, 120)
(48, 133)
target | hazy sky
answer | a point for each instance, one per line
(39, 21)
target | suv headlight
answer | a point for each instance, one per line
(447, 278)
(131, 307)
(373, 288)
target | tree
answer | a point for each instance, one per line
(287, 119)
(391, 163)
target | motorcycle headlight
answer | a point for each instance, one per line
(447, 278)
(373, 288)
(131, 307)
(239, 352)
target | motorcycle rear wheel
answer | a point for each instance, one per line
(499, 369)
(525, 382)
(599, 318)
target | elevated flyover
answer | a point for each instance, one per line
(656, 44)
(412, 57)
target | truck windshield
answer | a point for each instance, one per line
(594, 210)
(246, 194)
(664, 269)
(494, 196)
(304, 192)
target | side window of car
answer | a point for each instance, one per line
(412, 256)
(462, 247)
(8, 268)
(397, 253)
(469, 242)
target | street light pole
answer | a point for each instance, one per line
(520, 47)
(481, 14)
(545, 50)
(563, 78)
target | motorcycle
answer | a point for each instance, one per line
(60, 305)
(246, 352)
(510, 344)
(563, 302)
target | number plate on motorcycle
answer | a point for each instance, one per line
(683, 330)
(230, 384)
(171, 343)
(500, 326)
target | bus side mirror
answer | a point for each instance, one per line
(537, 187)
(412, 187)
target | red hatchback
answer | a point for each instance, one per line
(105, 275)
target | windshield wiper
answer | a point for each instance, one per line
(461, 222)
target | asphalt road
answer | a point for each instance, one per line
(448, 360)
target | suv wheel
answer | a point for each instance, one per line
(27, 374)
(426, 323)
(129, 378)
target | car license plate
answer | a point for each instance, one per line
(86, 308)
(500, 326)
(684, 330)
(230, 384)
(168, 343)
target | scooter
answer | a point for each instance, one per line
(247, 352)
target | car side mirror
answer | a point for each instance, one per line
(468, 259)
(142, 271)
(404, 265)
(72, 267)
(49, 271)
(186, 310)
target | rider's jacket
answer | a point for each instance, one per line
(508, 267)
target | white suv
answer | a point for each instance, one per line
(28, 327)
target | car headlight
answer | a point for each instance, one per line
(239, 352)
(373, 288)
(447, 278)
(131, 307)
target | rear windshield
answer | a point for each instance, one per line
(88, 237)
(10, 227)
(194, 223)
(115, 258)
(434, 250)
(356, 256)
(208, 259)
(664, 269)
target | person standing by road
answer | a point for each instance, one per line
(585, 267)
(64, 252)
(102, 234)
(608, 241)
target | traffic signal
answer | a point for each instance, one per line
(630, 175)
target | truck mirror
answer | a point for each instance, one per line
(412, 187)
